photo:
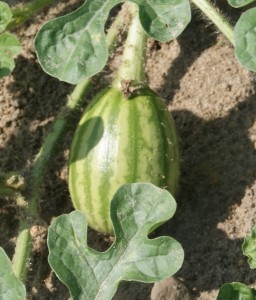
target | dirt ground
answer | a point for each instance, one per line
(213, 101)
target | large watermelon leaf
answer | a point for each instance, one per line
(73, 47)
(135, 210)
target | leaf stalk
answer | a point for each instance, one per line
(216, 17)
(22, 13)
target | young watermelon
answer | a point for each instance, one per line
(121, 140)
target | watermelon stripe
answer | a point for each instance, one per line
(133, 133)
(156, 120)
(111, 118)
(80, 188)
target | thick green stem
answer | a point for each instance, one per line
(22, 13)
(132, 69)
(216, 17)
(75, 100)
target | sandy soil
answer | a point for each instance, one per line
(213, 101)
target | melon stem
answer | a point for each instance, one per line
(132, 70)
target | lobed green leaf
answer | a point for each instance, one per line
(9, 46)
(164, 20)
(245, 39)
(249, 248)
(236, 291)
(10, 286)
(239, 3)
(9, 43)
(135, 210)
(5, 15)
(7, 64)
(73, 47)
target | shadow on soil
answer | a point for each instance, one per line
(195, 39)
(39, 98)
(218, 164)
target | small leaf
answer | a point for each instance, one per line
(239, 3)
(245, 39)
(249, 248)
(10, 286)
(164, 20)
(236, 291)
(9, 46)
(5, 15)
(135, 209)
(7, 64)
(73, 47)
(9, 43)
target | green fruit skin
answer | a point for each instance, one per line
(117, 141)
